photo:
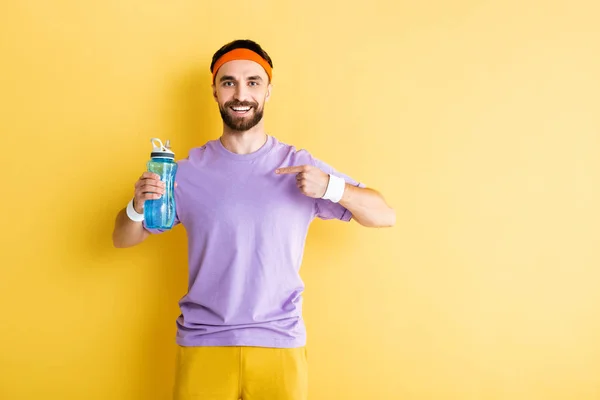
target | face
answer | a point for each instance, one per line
(241, 89)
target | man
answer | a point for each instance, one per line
(246, 201)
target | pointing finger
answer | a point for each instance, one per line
(291, 170)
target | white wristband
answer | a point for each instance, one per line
(132, 214)
(335, 189)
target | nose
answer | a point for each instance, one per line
(241, 93)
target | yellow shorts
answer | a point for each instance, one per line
(248, 373)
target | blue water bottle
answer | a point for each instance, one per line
(160, 213)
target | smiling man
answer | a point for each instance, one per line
(246, 201)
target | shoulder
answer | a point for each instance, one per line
(197, 156)
(197, 153)
(295, 154)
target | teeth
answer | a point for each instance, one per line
(241, 108)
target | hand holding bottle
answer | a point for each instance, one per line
(148, 187)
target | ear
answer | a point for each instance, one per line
(269, 90)
(214, 90)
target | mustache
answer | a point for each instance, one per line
(235, 103)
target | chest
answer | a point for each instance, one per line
(246, 199)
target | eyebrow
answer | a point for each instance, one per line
(231, 78)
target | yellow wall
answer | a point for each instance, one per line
(478, 120)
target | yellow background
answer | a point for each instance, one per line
(478, 120)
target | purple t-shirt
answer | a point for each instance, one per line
(246, 229)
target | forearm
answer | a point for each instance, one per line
(128, 233)
(368, 207)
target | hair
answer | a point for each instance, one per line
(240, 44)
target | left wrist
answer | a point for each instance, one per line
(335, 189)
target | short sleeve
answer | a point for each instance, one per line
(326, 209)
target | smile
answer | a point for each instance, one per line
(241, 110)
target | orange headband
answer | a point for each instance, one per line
(241, 54)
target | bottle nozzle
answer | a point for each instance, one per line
(160, 150)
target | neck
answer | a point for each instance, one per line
(245, 142)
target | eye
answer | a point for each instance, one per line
(253, 83)
(228, 83)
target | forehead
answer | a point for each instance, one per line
(241, 69)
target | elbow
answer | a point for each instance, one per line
(121, 240)
(385, 219)
(118, 242)
(389, 220)
(121, 245)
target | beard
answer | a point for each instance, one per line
(241, 123)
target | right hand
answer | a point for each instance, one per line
(148, 187)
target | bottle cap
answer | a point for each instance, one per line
(160, 150)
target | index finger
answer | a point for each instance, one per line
(150, 175)
(291, 170)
